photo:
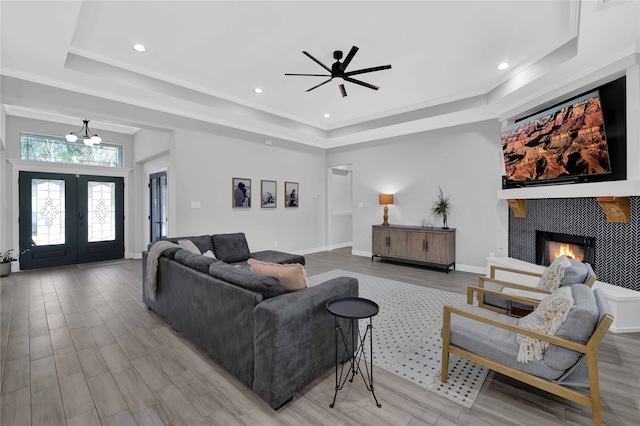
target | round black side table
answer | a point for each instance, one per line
(354, 309)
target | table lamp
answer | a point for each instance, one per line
(385, 199)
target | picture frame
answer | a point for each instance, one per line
(291, 194)
(268, 194)
(240, 193)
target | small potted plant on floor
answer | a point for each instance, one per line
(442, 207)
(5, 262)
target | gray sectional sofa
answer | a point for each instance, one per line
(273, 342)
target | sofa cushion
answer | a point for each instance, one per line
(578, 327)
(552, 276)
(171, 252)
(292, 276)
(576, 273)
(196, 261)
(266, 285)
(189, 245)
(203, 242)
(277, 257)
(547, 318)
(495, 343)
(231, 248)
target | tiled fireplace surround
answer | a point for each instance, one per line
(617, 258)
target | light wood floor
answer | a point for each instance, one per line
(78, 348)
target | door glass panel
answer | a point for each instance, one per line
(47, 212)
(101, 211)
(163, 206)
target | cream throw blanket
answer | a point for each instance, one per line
(547, 318)
(152, 265)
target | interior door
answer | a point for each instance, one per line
(68, 219)
(158, 205)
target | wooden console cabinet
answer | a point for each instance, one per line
(413, 244)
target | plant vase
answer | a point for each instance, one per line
(5, 269)
(444, 222)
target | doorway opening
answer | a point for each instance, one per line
(339, 204)
(158, 208)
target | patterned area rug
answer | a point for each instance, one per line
(407, 338)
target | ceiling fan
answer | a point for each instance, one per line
(338, 71)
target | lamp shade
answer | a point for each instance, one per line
(385, 199)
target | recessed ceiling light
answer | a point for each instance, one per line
(139, 48)
(503, 66)
(327, 115)
(257, 90)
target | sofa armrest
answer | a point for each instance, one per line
(294, 339)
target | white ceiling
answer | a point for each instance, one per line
(204, 58)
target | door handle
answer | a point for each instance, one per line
(80, 215)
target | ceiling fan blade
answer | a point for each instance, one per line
(343, 91)
(361, 83)
(349, 57)
(362, 71)
(317, 61)
(315, 87)
(311, 75)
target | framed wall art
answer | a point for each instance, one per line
(268, 194)
(240, 193)
(291, 193)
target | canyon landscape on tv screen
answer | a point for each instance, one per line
(568, 140)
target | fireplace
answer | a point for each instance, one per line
(550, 245)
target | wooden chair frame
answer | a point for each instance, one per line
(590, 349)
(492, 279)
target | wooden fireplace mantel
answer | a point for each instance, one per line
(519, 207)
(617, 209)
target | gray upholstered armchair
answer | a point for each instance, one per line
(577, 273)
(489, 338)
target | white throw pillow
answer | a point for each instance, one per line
(189, 245)
(210, 254)
(553, 275)
(546, 318)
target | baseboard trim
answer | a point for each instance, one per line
(338, 246)
(459, 267)
(473, 269)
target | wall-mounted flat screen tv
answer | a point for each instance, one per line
(564, 143)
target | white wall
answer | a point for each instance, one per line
(151, 154)
(203, 165)
(464, 161)
(4, 177)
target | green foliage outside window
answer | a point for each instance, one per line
(59, 150)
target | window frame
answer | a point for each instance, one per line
(120, 151)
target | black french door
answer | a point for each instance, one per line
(68, 219)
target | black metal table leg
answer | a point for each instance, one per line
(355, 350)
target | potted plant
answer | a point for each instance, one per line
(5, 262)
(442, 207)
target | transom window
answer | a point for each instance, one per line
(60, 150)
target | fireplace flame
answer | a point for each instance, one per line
(566, 250)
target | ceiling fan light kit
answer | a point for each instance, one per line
(338, 73)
